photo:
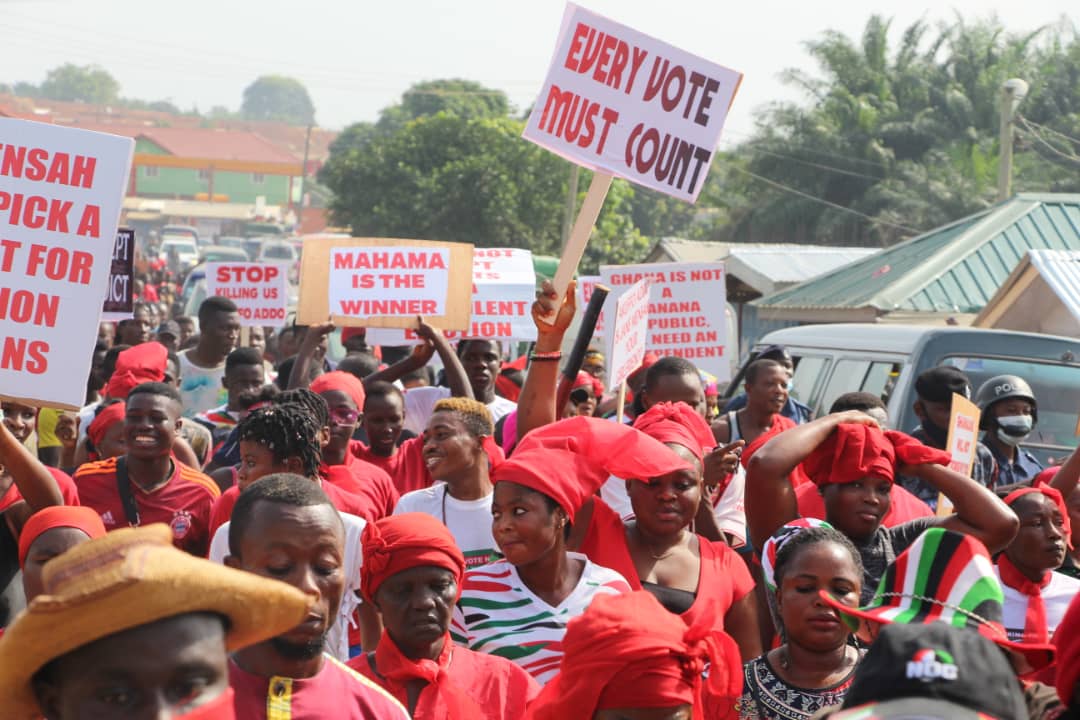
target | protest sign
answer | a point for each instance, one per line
(961, 444)
(60, 196)
(385, 282)
(503, 290)
(629, 332)
(621, 102)
(686, 310)
(585, 286)
(119, 304)
(260, 290)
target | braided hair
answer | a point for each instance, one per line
(287, 430)
(310, 401)
(807, 538)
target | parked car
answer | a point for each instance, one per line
(234, 241)
(181, 231)
(179, 253)
(885, 360)
(278, 251)
(221, 253)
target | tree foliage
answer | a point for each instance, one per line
(278, 98)
(80, 83)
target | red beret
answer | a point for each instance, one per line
(343, 382)
(58, 516)
(136, 365)
(853, 452)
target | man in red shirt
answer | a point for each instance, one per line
(147, 485)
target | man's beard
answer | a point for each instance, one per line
(298, 651)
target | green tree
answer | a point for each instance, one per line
(278, 98)
(463, 98)
(80, 83)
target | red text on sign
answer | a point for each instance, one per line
(388, 282)
(14, 354)
(59, 263)
(36, 212)
(670, 82)
(247, 273)
(667, 157)
(606, 55)
(388, 260)
(36, 165)
(565, 112)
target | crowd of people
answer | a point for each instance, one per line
(236, 527)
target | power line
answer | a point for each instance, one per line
(814, 198)
(1052, 131)
(782, 156)
(1042, 141)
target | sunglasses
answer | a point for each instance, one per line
(343, 416)
(580, 395)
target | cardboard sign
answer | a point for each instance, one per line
(686, 310)
(504, 288)
(629, 332)
(385, 282)
(260, 290)
(618, 101)
(60, 196)
(963, 439)
(585, 286)
(119, 304)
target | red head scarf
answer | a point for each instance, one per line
(58, 516)
(627, 651)
(342, 381)
(400, 542)
(1055, 496)
(105, 419)
(677, 423)
(143, 363)
(569, 460)
(853, 452)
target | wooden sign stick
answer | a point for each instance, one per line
(579, 236)
(620, 403)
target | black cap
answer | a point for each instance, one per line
(778, 353)
(939, 383)
(169, 327)
(937, 662)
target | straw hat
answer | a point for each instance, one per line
(129, 578)
(947, 577)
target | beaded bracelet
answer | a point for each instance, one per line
(555, 355)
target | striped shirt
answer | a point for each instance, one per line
(499, 615)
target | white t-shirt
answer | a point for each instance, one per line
(337, 640)
(1056, 597)
(730, 510)
(420, 403)
(200, 388)
(498, 614)
(469, 521)
(613, 493)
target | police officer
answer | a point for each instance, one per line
(1009, 413)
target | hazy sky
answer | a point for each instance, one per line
(357, 56)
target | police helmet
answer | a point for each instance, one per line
(1002, 387)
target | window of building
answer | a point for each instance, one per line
(258, 178)
(204, 175)
(150, 171)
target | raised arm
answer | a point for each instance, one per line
(456, 379)
(770, 498)
(300, 377)
(536, 403)
(34, 481)
(977, 510)
(1067, 475)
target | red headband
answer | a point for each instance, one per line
(1055, 496)
(569, 460)
(343, 382)
(853, 452)
(58, 516)
(105, 419)
(399, 542)
(143, 363)
(677, 423)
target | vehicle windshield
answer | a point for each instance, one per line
(182, 246)
(1056, 388)
(278, 252)
(227, 255)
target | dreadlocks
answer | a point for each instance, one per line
(287, 430)
(310, 401)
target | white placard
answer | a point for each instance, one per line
(398, 281)
(629, 333)
(260, 290)
(60, 197)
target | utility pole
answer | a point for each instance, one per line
(303, 177)
(1012, 92)
(571, 202)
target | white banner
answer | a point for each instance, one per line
(396, 281)
(60, 197)
(629, 333)
(623, 102)
(260, 290)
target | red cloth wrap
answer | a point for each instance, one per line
(104, 420)
(1067, 641)
(136, 365)
(507, 388)
(438, 695)
(853, 452)
(627, 651)
(1035, 630)
(1055, 495)
(342, 381)
(569, 460)
(58, 516)
(399, 542)
(677, 423)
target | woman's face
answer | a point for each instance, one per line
(449, 448)
(256, 461)
(113, 442)
(344, 417)
(45, 547)
(807, 620)
(665, 505)
(524, 526)
(20, 420)
(857, 508)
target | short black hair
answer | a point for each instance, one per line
(281, 488)
(381, 389)
(808, 538)
(359, 364)
(463, 344)
(286, 430)
(861, 401)
(108, 363)
(157, 388)
(184, 319)
(312, 402)
(669, 365)
(759, 367)
(243, 356)
(213, 305)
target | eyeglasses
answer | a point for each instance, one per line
(580, 395)
(343, 416)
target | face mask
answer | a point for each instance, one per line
(937, 434)
(1014, 429)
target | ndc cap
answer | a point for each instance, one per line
(933, 671)
(939, 383)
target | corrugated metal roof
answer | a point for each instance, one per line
(794, 263)
(1061, 271)
(955, 268)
